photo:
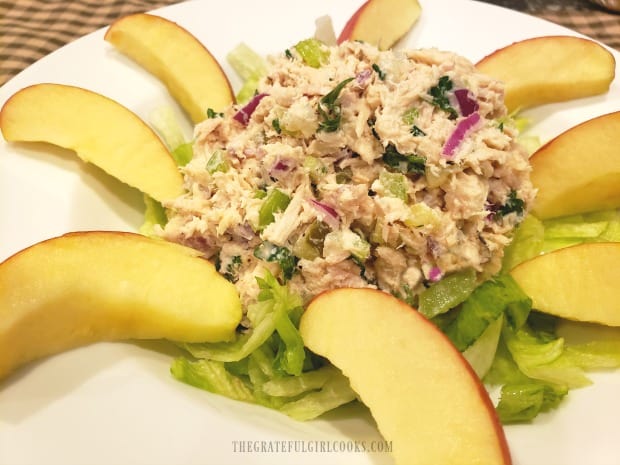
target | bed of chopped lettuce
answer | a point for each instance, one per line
(510, 345)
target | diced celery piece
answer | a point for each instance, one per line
(313, 52)
(422, 215)
(395, 184)
(441, 296)
(410, 115)
(315, 167)
(276, 201)
(217, 162)
(351, 242)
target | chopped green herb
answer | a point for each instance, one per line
(211, 113)
(371, 124)
(330, 110)
(404, 163)
(281, 255)
(288, 54)
(232, 269)
(275, 124)
(379, 71)
(416, 131)
(513, 205)
(440, 99)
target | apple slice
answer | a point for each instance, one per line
(577, 283)
(579, 170)
(381, 22)
(192, 75)
(550, 69)
(423, 394)
(100, 130)
(92, 286)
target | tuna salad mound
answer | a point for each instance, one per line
(361, 168)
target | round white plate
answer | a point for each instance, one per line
(116, 403)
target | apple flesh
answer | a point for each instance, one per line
(423, 394)
(550, 69)
(577, 283)
(579, 170)
(86, 287)
(100, 130)
(381, 22)
(192, 75)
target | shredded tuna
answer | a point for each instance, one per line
(401, 213)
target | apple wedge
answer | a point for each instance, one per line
(423, 394)
(192, 75)
(381, 22)
(577, 283)
(100, 130)
(86, 287)
(550, 69)
(579, 170)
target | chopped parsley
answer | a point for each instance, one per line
(440, 99)
(371, 124)
(211, 113)
(288, 54)
(330, 110)
(405, 163)
(281, 255)
(416, 131)
(513, 205)
(379, 71)
(275, 124)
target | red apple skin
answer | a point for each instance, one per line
(348, 27)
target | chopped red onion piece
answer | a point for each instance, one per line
(281, 167)
(435, 274)
(243, 115)
(466, 103)
(328, 213)
(461, 130)
(363, 76)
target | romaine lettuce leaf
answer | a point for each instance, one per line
(268, 364)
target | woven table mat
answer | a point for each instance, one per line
(31, 29)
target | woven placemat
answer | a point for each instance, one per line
(31, 29)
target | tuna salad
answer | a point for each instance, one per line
(354, 167)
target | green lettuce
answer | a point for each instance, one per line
(250, 67)
(267, 364)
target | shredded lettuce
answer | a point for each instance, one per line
(536, 368)
(250, 67)
(154, 214)
(167, 126)
(268, 364)
(498, 296)
(534, 237)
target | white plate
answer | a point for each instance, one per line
(115, 403)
